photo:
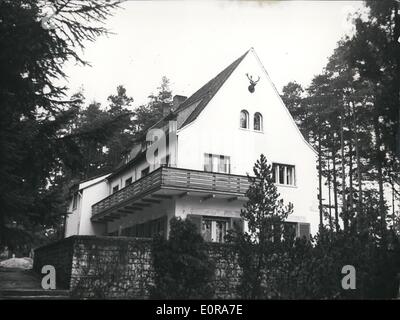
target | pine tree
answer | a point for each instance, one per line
(149, 114)
(265, 214)
(33, 108)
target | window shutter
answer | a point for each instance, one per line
(304, 230)
(165, 227)
(237, 224)
(196, 220)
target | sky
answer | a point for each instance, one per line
(192, 41)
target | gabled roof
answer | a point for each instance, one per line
(204, 95)
(188, 110)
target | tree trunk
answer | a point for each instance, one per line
(351, 135)
(321, 222)
(379, 158)
(381, 198)
(256, 286)
(344, 204)
(396, 39)
(360, 217)
(329, 195)
(350, 176)
(335, 191)
(393, 201)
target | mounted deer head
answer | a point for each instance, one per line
(252, 83)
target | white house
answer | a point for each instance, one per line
(195, 161)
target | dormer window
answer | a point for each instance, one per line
(244, 119)
(258, 122)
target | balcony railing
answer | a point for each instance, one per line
(175, 179)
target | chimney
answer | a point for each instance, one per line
(177, 101)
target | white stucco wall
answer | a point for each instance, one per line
(72, 219)
(90, 196)
(78, 222)
(217, 131)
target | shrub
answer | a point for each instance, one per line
(182, 267)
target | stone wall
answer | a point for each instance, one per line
(58, 254)
(227, 270)
(121, 267)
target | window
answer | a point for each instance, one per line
(75, 201)
(290, 175)
(145, 172)
(224, 164)
(290, 230)
(147, 229)
(283, 174)
(221, 228)
(208, 162)
(244, 119)
(206, 230)
(115, 189)
(297, 230)
(214, 229)
(304, 230)
(258, 124)
(128, 181)
(217, 163)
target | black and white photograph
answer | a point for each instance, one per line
(208, 151)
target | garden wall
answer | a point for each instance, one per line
(121, 267)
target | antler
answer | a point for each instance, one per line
(251, 79)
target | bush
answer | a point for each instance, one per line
(182, 267)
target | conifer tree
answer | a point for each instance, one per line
(265, 214)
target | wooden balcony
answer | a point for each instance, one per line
(166, 183)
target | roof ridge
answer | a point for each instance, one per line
(208, 91)
(207, 84)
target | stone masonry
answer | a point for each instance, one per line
(121, 267)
